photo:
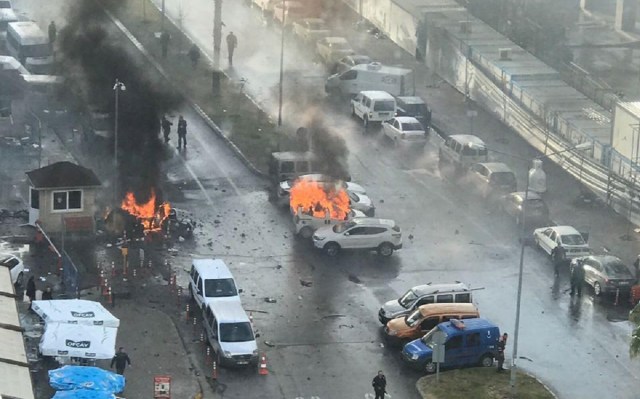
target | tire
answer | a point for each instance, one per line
(486, 361)
(430, 367)
(19, 280)
(597, 289)
(306, 232)
(332, 249)
(385, 249)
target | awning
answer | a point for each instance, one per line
(75, 311)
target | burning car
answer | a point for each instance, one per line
(307, 224)
(285, 186)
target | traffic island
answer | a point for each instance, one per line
(239, 118)
(481, 383)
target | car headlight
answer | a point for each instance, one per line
(226, 353)
(318, 238)
(414, 356)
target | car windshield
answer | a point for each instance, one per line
(215, 288)
(236, 332)
(617, 269)
(413, 318)
(503, 178)
(474, 150)
(415, 109)
(407, 299)
(342, 227)
(411, 127)
(428, 338)
(353, 197)
(5, 261)
(5, 4)
(384, 106)
(572, 239)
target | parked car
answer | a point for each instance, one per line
(306, 224)
(491, 180)
(382, 235)
(373, 107)
(405, 130)
(331, 49)
(467, 343)
(424, 294)
(459, 152)
(15, 266)
(350, 61)
(571, 240)
(310, 30)
(415, 107)
(210, 280)
(606, 274)
(230, 334)
(362, 203)
(537, 212)
(285, 186)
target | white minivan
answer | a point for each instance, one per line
(373, 106)
(211, 281)
(30, 45)
(372, 76)
(230, 334)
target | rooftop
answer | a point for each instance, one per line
(63, 175)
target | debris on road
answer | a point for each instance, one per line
(306, 283)
(270, 300)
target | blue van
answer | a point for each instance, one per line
(472, 342)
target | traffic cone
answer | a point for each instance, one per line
(110, 297)
(251, 318)
(263, 370)
(105, 287)
(113, 269)
(214, 372)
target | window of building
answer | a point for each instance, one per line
(67, 200)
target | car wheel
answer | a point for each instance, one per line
(486, 361)
(306, 232)
(385, 249)
(19, 279)
(597, 289)
(430, 367)
(332, 249)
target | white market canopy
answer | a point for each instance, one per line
(77, 340)
(75, 311)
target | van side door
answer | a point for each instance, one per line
(454, 351)
(472, 348)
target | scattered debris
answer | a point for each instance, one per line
(306, 283)
(269, 344)
(333, 316)
(270, 300)
(345, 325)
(411, 236)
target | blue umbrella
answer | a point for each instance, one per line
(86, 378)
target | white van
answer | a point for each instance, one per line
(30, 45)
(373, 106)
(373, 76)
(211, 281)
(230, 334)
(7, 15)
(459, 152)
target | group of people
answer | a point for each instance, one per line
(30, 291)
(194, 51)
(182, 130)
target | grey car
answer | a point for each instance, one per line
(606, 274)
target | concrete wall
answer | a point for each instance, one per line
(51, 220)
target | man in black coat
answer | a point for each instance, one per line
(182, 132)
(379, 384)
(121, 359)
(166, 128)
(577, 277)
(502, 344)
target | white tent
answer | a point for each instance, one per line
(76, 340)
(74, 311)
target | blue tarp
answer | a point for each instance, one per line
(84, 377)
(83, 394)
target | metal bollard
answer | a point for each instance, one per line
(187, 313)
(113, 269)
(178, 295)
(208, 354)
(135, 273)
(201, 337)
(195, 322)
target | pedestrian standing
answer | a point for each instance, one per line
(121, 359)
(47, 295)
(166, 128)
(53, 33)
(558, 256)
(379, 384)
(232, 43)
(577, 277)
(194, 55)
(502, 344)
(31, 290)
(182, 132)
(164, 43)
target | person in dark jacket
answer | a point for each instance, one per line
(47, 295)
(166, 128)
(194, 55)
(182, 132)
(232, 43)
(31, 290)
(121, 359)
(502, 344)
(53, 33)
(379, 384)
(558, 255)
(577, 277)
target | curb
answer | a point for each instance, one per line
(216, 129)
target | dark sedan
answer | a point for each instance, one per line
(537, 213)
(606, 274)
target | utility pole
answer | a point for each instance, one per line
(281, 63)
(163, 18)
(217, 32)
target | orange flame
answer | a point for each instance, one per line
(315, 197)
(150, 215)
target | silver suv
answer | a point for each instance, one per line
(382, 235)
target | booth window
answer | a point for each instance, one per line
(67, 200)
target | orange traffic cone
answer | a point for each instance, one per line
(214, 372)
(110, 297)
(263, 370)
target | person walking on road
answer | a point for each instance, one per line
(182, 132)
(577, 277)
(121, 359)
(379, 384)
(53, 33)
(502, 344)
(194, 55)
(232, 43)
(31, 290)
(166, 128)
(558, 255)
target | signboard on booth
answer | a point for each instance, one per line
(162, 387)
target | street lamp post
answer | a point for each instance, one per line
(281, 64)
(117, 87)
(512, 381)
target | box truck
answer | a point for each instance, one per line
(373, 76)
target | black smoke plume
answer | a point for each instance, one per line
(331, 150)
(93, 53)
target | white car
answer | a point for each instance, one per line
(310, 30)
(362, 203)
(285, 186)
(568, 237)
(382, 235)
(405, 130)
(332, 49)
(16, 268)
(306, 224)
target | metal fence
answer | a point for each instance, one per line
(70, 276)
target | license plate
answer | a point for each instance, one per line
(243, 362)
(623, 283)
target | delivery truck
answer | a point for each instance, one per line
(373, 76)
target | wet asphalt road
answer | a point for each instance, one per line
(323, 340)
